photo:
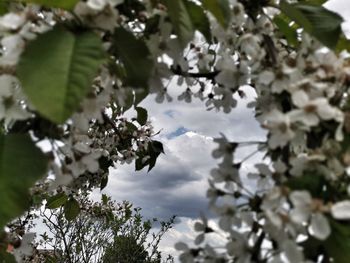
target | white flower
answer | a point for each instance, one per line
(312, 111)
(97, 4)
(250, 45)
(319, 226)
(11, 21)
(10, 100)
(279, 125)
(293, 253)
(303, 210)
(266, 77)
(230, 75)
(12, 47)
(341, 210)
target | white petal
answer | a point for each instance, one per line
(266, 77)
(300, 214)
(299, 198)
(96, 4)
(319, 226)
(293, 252)
(300, 98)
(341, 210)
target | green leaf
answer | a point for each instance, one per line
(314, 2)
(142, 115)
(181, 20)
(71, 209)
(7, 257)
(21, 164)
(338, 243)
(57, 201)
(64, 4)
(199, 19)
(343, 44)
(296, 15)
(220, 9)
(309, 181)
(3, 7)
(57, 70)
(155, 148)
(288, 31)
(326, 24)
(318, 21)
(135, 56)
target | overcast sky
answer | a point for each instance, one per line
(177, 185)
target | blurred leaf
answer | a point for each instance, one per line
(220, 9)
(21, 164)
(135, 56)
(3, 7)
(199, 19)
(181, 20)
(7, 257)
(323, 24)
(295, 15)
(343, 44)
(57, 69)
(64, 4)
(57, 200)
(316, 184)
(289, 32)
(338, 243)
(71, 209)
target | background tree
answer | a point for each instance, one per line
(103, 231)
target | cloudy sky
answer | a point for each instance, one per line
(177, 185)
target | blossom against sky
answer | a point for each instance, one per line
(178, 183)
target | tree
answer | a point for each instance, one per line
(70, 69)
(103, 231)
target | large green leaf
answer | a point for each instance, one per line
(343, 44)
(220, 9)
(318, 21)
(199, 19)
(65, 4)
(135, 56)
(181, 20)
(338, 243)
(21, 164)
(326, 24)
(296, 15)
(57, 70)
(288, 31)
(3, 7)
(7, 257)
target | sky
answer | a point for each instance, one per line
(178, 183)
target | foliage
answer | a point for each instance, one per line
(70, 70)
(100, 232)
